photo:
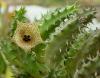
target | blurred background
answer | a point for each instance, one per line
(37, 7)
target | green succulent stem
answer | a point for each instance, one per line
(53, 20)
(83, 52)
(66, 36)
(89, 69)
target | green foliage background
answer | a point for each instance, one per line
(68, 50)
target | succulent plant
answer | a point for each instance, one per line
(57, 46)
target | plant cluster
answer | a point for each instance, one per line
(57, 46)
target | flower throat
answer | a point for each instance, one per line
(27, 38)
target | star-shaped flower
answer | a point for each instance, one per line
(27, 35)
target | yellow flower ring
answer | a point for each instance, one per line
(27, 35)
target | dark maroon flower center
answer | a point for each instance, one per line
(27, 38)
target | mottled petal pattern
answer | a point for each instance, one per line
(27, 35)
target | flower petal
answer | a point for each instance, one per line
(27, 35)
